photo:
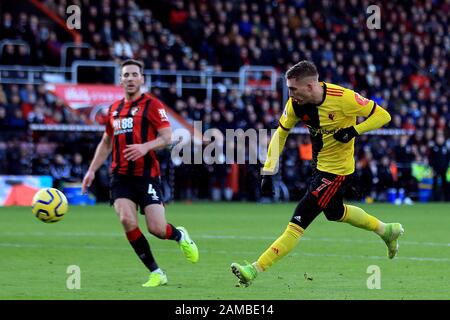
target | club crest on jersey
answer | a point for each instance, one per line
(332, 115)
(134, 110)
(361, 100)
(114, 114)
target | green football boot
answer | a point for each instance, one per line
(156, 279)
(188, 247)
(390, 237)
(245, 273)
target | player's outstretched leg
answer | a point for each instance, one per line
(390, 236)
(282, 246)
(188, 246)
(389, 232)
(246, 273)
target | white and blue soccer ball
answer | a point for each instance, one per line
(49, 205)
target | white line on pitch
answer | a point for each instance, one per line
(206, 236)
(53, 246)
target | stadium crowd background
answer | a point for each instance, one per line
(403, 66)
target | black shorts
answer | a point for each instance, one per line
(325, 193)
(141, 190)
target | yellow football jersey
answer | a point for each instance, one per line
(338, 109)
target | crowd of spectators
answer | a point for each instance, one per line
(113, 31)
(403, 66)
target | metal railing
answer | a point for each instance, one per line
(32, 75)
(183, 80)
(14, 42)
(207, 80)
(71, 45)
(258, 72)
(94, 64)
(67, 127)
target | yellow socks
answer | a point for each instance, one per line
(288, 240)
(359, 218)
(281, 247)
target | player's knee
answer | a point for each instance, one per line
(157, 229)
(127, 218)
(334, 213)
(127, 215)
(128, 221)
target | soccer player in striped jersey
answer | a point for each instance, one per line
(330, 112)
(137, 126)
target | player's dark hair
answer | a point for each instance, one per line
(302, 70)
(132, 62)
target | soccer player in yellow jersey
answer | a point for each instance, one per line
(330, 112)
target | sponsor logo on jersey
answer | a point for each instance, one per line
(123, 125)
(315, 131)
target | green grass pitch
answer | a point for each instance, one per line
(34, 256)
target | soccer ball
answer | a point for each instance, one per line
(49, 205)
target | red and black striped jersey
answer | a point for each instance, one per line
(135, 122)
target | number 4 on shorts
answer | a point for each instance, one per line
(152, 192)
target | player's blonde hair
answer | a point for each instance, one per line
(302, 70)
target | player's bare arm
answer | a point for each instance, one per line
(101, 154)
(133, 152)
